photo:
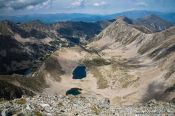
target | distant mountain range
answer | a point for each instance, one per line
(51, 18)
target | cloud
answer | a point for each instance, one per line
(78, 3)
(14, 7)
(102, 3)
(141, 4)
(21, 4)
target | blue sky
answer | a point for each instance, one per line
(14, 7)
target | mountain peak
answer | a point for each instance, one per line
(6, 22)
(124, 19)
(152, 16)
(153, 22)
(5, 27)
(36, 22)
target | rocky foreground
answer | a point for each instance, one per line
(80, 106)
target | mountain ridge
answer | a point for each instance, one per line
(86, 17)
(153, 22)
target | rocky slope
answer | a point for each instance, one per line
(145, 53)
(153, 23)
(123, 64)
(80, 30)
(80, 106)
(25, 45)
(21, 48)
(7, 88)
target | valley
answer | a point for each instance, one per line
(125, 63)
(118, 67)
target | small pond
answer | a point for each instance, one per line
(74, 91)
(79, 72)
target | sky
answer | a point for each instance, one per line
(16, 7)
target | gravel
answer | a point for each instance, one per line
(45, 105)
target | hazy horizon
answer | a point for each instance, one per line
(100, 7)
(85, 13)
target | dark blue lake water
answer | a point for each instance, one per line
(79, 72)
(74, 91)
